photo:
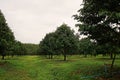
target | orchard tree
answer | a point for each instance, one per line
(62, 41)
(6, 36)
(100, 20)
(18, 49)
(67, 42)
(48, 45)
(86, 47)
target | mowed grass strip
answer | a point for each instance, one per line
(40, 68)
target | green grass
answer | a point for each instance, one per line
(40, 68)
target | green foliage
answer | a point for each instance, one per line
(100, 20)
(31, 49)
(62, 41)
(19, 49)
(6, 36)
(66, 40)
(48, 45)
(87, 47)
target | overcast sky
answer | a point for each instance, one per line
(30, 20)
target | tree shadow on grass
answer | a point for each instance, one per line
(104, 59)
(60, 60)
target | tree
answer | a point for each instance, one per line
(100, 20)
(62, 41)
(87, 47)
(48, 45)
(18, 49)
(67, 42)
(6, 36)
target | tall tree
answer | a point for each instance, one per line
(48, 45)
(62, 41)
(67, 42)
(6, 36)
(100, 20)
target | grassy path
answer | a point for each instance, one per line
(39, 68)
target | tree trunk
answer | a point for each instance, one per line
(3, 57)
(113, 61)
(85, 55)
(111, 56)
(12, 55)
(64, 57)
(103, 55)
(51, 56)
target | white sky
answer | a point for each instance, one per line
(30, 20)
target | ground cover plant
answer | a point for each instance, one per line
(40, 68)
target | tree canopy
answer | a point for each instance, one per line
(48, 45)
(31, 49)
(86, 47)
(6, 36)
(19, 48)
(66, 40)
(62, 41)
(100, 21)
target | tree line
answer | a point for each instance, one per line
(8, 44)
(99, 20)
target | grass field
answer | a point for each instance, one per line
(40, 68)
